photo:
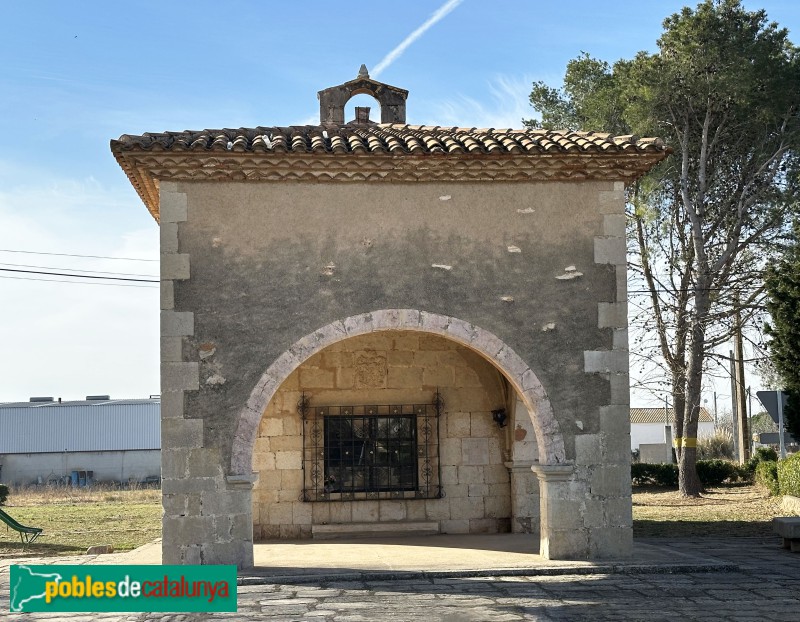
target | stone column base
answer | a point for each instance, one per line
(525, 515)
(213, 525)
(563, 535)
(578, 523)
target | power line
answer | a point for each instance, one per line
(28, 278)
(79, 276)
(7, 250)
(690, 290)
(25, 265)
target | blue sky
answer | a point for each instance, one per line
(76, 74)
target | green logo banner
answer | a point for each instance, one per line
(122, 588)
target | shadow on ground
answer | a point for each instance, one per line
(37, 549)
(643, 528)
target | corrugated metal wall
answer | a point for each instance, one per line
(114, 466)
(87, 427)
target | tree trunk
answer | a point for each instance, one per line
(679, 410)
(688, 482)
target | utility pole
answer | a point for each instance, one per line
(734, 406)
(716, 421)
(781, 426)
(750, 420)
(741, 395)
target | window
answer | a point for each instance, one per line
(370, 452)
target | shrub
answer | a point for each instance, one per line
(761, 454)
(767, 476)
(717, 445)
(715, 472)
(3, 493)
(654, 474)
(766, 453)
(789, 475)
(667, 475)
(639, 473)
(710, 472)
(743, 473)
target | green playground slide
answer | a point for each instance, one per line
(26, 534)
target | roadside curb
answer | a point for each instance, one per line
(330, 576)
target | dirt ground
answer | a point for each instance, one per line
(735, 510)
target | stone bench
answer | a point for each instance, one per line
(789, 529)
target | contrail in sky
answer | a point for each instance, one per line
(392, 56)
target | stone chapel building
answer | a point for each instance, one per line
(390, 328)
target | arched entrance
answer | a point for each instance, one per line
(518, 374)
(529, 391)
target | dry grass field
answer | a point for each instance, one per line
(75, 519)
(725, 511)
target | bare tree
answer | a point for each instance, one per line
(723, 92)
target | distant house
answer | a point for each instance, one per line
(96, 439)
(647, 425)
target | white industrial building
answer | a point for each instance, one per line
(98, 439)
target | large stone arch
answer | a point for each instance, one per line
(508, 362)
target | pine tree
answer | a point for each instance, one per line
(783, 304)
(723, 91)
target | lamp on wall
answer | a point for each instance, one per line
(499, 417)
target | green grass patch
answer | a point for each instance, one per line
(75, 520)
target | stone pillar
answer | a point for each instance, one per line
(524, 499)
(208, 519)
(585, 513)
(524, 484)
(563, 534)
(238, 504)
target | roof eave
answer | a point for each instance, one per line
(146, 185)
(145, 168)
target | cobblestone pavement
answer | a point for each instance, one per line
(767, 587)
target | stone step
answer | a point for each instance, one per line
(375, 530)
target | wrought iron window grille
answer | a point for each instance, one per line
(370, 452)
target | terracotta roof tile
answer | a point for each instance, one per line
(383, 138)
(656, 415)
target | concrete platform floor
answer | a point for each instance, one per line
(450, 555)
(423, 556)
